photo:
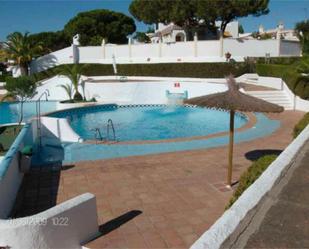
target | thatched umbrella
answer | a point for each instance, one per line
(233, 100)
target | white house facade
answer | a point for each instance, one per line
(171, 32)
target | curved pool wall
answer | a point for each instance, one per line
(75, 152)
(149, 122)
(146, 90)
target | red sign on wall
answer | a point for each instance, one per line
(177, 84)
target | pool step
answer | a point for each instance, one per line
(277, 97)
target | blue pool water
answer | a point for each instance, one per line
(10, 111)
(150, 122)
(74, 152)
(138, 123)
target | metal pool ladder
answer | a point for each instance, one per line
(110, 125)
(38, 115)
(97, 135)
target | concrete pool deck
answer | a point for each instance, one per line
(153, 201)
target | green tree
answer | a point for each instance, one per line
(95, 25)
(181, 12)
(193, 14)
(226, 11)
(150, 12)
(51, 41)
(22, 89)
(74, 73)
(141, 37)
(241, 29)
(150, 30)
(303, 70)
(302, 30)
(21, 49)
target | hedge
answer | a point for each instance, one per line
(250, 175)
(286, 69)
(278, 60)
(288, 74)
(301, 125)
(196, 70)
(3, 76)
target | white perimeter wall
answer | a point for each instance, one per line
(253, 48)
(289, 47)
(150, 53)
(191, 51)
(63, 56)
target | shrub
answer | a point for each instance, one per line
(272, 70)
(22, 88)
(279, 60)
(250, 175)
(301, 125)
(289, 74)
(3, 72)
(2, 78)
(198, 70)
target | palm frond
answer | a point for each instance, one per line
(73, 73)
(68, 89)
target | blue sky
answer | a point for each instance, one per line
(52, 15)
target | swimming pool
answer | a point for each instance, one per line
(135, 123)
(10, 111)
(165, 123)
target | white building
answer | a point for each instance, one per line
(168, 33)
(171, 32)
(280, 32)
(277, 33)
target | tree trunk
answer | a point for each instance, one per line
(78, 96)
(23, 70)
(231, 144)
(223, 27)
(21, 116)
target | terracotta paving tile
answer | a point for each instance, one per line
(185, 230)
(172, 238)
(189, 239)
(128, 228)
(179, 195)
(154, 240)
(135, 240)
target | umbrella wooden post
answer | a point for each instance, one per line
(231, 144)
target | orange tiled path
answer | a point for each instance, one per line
(155, 201)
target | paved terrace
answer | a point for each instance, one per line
(154, 201)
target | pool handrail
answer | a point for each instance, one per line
(38, 115)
